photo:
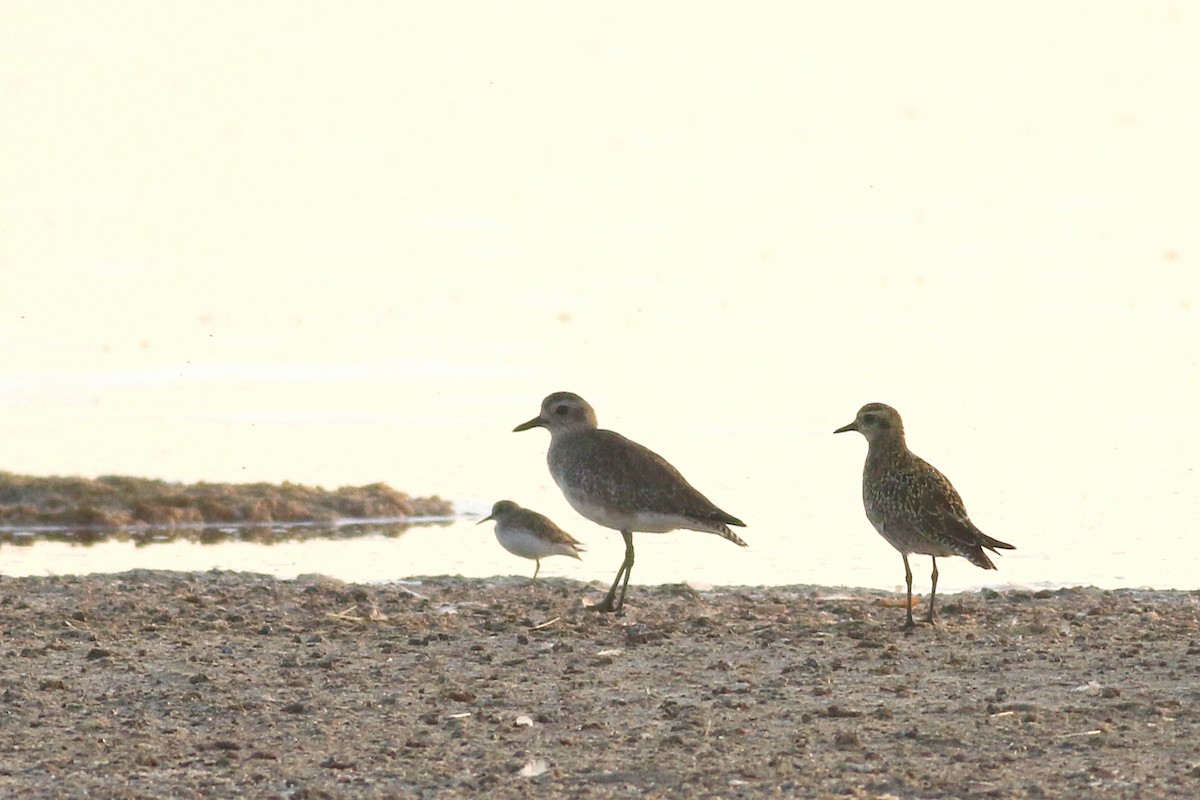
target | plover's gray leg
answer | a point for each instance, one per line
(932, 592)
(909, 624)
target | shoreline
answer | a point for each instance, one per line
(583, 590)
(234, 684)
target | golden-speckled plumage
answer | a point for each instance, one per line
(911, 504)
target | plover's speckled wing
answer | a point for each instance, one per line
(913, 501)
(946, 505)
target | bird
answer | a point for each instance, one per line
(911, 504)
(619, 484)
(528, 534)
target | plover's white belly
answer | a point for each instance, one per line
(626, 520)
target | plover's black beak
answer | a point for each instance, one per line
(844, 428)
(485, 519)
(536, 422)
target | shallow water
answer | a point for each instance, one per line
(384, 552)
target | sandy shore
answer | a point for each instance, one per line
(222, 684)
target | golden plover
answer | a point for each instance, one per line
(528, 534)
(619, 484)
(911, 504)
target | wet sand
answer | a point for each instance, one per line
(225, 684)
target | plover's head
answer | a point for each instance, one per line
(562, 411)
(500, 508)
(876, 421)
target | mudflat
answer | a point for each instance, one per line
(221, 684)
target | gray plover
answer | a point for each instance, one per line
(528, 534)
(619, 484)
(912, 505)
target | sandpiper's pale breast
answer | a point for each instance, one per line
(526, 533)
(520, 541)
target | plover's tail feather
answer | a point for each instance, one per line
(725, 533)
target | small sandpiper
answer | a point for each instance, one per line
(528, 534)
(619, 484)
(911, 504)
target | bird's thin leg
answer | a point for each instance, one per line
(536, 570)
(932, 592)
(626, 565)
(607, 603)
(628, 535)
(909, 625)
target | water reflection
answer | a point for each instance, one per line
(256, 533)
(381, 551)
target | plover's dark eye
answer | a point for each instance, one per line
(561, 410)
(868, 418)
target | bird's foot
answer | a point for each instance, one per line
(910, 625)
(607, 606)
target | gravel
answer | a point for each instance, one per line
(156, 684)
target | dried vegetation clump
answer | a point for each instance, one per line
(116, 500)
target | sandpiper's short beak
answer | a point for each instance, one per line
(536, 422)
(485, 519)
(844, 428)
